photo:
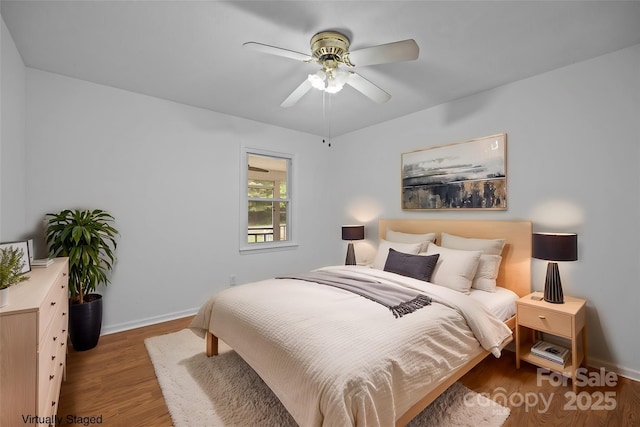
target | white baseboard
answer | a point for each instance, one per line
(623, 371)
(120, 327)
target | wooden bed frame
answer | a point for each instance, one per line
(515, 274)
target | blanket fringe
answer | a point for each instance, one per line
(410, 306)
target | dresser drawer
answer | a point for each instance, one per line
(49, 348)
(544, 320)
(56, 298)
(49, 403)
(49, 358)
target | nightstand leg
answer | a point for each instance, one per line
(517, 347)
(574, 363)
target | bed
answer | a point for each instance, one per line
(335, 358)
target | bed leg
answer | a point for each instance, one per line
(212, 344)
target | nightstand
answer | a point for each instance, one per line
(563, 320)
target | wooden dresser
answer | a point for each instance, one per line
(33, 346)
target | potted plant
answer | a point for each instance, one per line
(88, 239)
(11, 265)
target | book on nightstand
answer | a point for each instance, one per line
(552, 352)
(45, 262)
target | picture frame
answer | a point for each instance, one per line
(24, 245)
(469, 175)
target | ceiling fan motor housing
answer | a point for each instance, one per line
(330, 46)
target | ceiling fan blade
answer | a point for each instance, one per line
(272, 50)
(367, 88)
(405, 50)
(298, 93)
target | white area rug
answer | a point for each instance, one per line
(225, 391)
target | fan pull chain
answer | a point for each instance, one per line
(329, 118)
(326, 118)
(324, 114)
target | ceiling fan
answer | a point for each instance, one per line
(330, 49)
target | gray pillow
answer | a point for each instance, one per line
(415, 266)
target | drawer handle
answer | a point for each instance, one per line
(64, 313)
(51, 377)
(53, 403)
(53, 357)
(64, 330)
(53, 303)
(540, 316)
(55, 338)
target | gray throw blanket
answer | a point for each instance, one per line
(399, 300)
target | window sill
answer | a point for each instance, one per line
(268, 247)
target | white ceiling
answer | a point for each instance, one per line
(191, 51)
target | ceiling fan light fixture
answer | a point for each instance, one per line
(330, 81)
(336, 80)
(332, 87)
(317, 80)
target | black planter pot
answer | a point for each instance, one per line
(85, 322)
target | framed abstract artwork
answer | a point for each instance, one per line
(464, 175)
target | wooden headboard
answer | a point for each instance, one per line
(515, 269)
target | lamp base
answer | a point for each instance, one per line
(552, 285)
(351, 255)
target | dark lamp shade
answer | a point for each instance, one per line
(352, 232)
(555, 246)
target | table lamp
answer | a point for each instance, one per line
(554, 247)
(351, 233)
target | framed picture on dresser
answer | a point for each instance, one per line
(464, 175)
(24, 247)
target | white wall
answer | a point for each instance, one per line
(573, 155)
(169, 174)
(12, 146)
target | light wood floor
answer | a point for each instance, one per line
(116, 380)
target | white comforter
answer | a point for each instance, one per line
(335, 358)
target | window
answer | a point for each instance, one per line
(266, 182)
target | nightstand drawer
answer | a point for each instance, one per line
(544, 320)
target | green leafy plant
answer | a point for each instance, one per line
(11, 265)
(88, 239)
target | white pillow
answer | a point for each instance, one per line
(383, 251)
(455, 268)
(487, 272)
(425, 239)
(487, 246)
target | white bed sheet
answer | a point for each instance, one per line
(501, 303)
